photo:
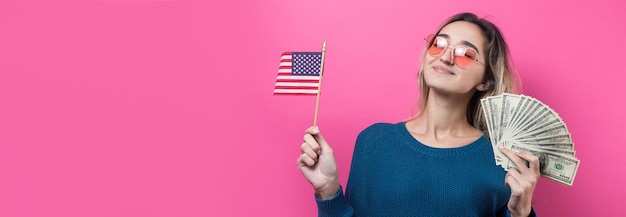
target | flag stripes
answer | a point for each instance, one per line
(298, 73)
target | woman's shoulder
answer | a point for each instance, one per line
(382, 126)
(380, 129)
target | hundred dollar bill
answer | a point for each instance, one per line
(491, 107)
(488, 117)
(520, 110)
(559, 146)
(509, 105)
(564, 152)
(555, 167)
(490, 111)
(553, 130)
(554, 139)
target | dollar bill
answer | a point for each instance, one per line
(519, 109)
(510, 102)
(553, 166)
(490, 113)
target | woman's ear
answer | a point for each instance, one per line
(483, 86)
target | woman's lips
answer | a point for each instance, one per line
(443, 70)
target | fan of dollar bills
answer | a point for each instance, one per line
(524, 123)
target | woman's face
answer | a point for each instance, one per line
(443, 74)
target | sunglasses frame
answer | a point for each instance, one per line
(430, 43)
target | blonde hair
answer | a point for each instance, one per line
(499, 76)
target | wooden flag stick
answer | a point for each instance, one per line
(319, 86)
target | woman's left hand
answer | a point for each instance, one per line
(522, 180)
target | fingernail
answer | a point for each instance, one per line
(500, 146)
(517, 151)
(316, 130)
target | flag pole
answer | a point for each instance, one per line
(319, 86)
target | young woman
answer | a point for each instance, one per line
(439, 162)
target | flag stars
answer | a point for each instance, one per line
(306, 63)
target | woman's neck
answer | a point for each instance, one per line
(444, 116)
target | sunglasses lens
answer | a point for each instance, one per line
(464, 56)
(436, 46)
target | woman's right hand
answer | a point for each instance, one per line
(317, 164)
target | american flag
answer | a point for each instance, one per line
(298, 74)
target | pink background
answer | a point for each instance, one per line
(165, 108)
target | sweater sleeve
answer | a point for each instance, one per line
(336, 206)
(344, 205)
(532, 213)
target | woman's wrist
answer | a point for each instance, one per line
(524, 213)
(328, 191)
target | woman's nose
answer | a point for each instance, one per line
(446, 56)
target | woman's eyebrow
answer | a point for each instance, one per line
(466, 43)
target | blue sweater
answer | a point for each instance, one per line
(393, 174)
